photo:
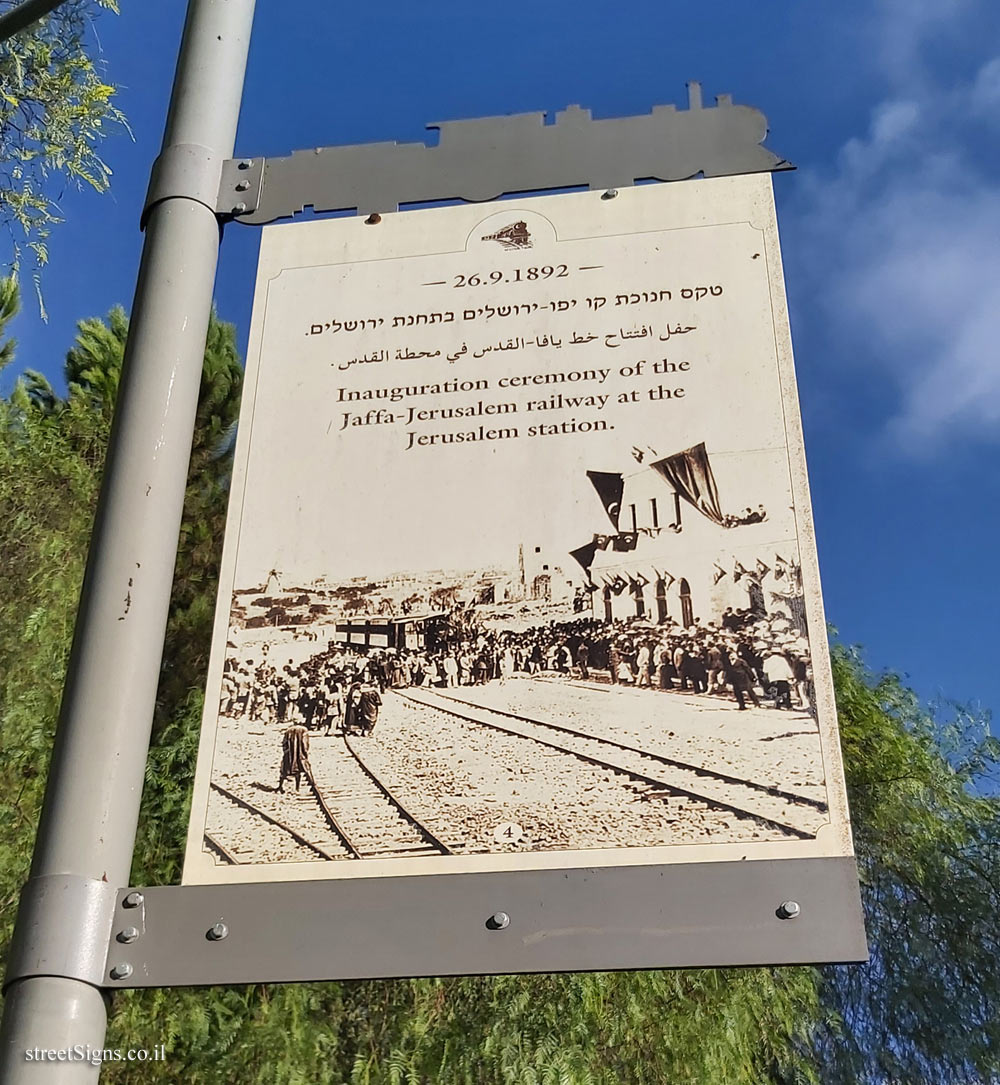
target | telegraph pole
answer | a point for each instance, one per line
(86, 836)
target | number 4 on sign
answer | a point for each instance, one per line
(508, 833)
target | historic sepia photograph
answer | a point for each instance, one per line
(519, 600)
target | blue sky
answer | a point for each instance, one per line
(890, 230)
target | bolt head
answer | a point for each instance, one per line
(239, 208)
(242, 186)
(246, 164)
(498, 921)
(217, 932)
(610, 194)
(133, 900)
(788, 909)
(128, 934)
(121, 971)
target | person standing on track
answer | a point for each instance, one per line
(352, 708)
(368, 707)
(335, 705)
(294, 755)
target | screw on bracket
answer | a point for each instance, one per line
(788, 909)
(217, 932)
(242, 186)
(498, 921)
(128, 934)
(121, 971)
(610, 194)
(133, 900)
(246, 164)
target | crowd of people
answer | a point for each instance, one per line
(746, 657)
(330, 693)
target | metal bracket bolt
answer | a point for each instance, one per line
(217, 932)
(788, 909)
(129, 934)
(133, 900)
(121, 971)
(498, 921)
(610, 194)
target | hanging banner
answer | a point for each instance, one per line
(412, 672)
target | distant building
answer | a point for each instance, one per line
(541, 577)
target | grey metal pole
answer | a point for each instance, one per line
(87, 830)
(24, 15)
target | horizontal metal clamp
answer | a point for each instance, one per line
(63, 929)
(185, 170)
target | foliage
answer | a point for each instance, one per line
(922, 1011)
(927, 829)
(55, 107)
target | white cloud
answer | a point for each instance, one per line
(908, 222)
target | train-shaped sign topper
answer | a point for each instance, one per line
(514, 236)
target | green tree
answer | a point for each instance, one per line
(923, 1011)
(927, 833)
(55, 107)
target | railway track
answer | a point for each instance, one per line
(275, 835)
(371, 820)
(358, 817)
(791, 814)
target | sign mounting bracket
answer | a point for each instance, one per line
(485, 158)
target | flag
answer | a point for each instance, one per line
(641, 580)
(602, 541)
(780, 566)
(585, 556)
(610, 485)
(638, 454)
(739, 571)
(762, 569)
(618, 585)
(690, 474)
(719, 573)
(625, 541)
(667, 578)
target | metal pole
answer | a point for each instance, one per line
(24, 15)
(88, 823)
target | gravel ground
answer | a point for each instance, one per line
(247, 759)
(774, 747)
(250, 839)
(466, 782)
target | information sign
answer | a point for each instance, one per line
(519, 573)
